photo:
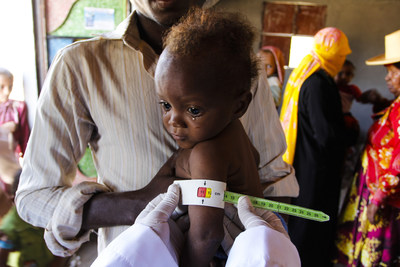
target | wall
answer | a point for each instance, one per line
(365, 23)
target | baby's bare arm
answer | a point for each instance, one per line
(206, 231)
(204, 236)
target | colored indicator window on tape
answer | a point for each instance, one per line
(204, 192)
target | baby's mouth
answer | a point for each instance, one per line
(178, 137)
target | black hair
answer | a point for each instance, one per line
(222, 37)
(349, 63)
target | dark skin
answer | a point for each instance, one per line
(114, 204)
(109, 203)
(204, 120)
(151, 32)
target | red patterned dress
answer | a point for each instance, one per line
(360, 243)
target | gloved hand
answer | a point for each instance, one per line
(157, 215)
(250, 217)
(264, 236)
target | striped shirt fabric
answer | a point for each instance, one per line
(101, 92)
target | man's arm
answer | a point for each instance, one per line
(122, 208)
(64, 125)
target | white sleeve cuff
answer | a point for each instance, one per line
(62, 230)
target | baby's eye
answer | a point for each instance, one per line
(165, 105)
(194, 111)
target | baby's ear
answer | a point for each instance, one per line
(242, 104)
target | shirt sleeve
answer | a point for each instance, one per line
(262, 124)
(62, 128)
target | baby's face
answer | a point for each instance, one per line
(6, 84)
(268, 62)
(195, 107)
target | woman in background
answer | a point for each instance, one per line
(14, 134)
(369, 229)
(13, 113)
(312, 120)
(273, 62)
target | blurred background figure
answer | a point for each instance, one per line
(348, 93)
(22, 244)
(312, 120)
(14, 134)
(273, 61)
(369, 228)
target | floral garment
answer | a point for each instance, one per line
(360, 243)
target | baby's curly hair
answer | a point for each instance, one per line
(221, 37)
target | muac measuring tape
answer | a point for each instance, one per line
(212, 193)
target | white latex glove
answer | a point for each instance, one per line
(264, 242)
(157, 214)
(252, 217)
(233, 225)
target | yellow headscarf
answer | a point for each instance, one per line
(329, 53)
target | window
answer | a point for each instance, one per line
(281, 21)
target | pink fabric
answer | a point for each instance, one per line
(16, 111)
(279, 60)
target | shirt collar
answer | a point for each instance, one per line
(128, 32)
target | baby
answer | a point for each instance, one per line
(273, 62)
(203, 81)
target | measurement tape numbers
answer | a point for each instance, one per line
(289, 209)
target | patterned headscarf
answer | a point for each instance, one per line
(143, 7)
(279, 60)
(329, 53)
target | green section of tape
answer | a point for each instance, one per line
(280, 207)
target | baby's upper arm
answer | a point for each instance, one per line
(207, 162)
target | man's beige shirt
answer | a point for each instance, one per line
(102, 92)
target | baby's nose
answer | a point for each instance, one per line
(176, 120)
